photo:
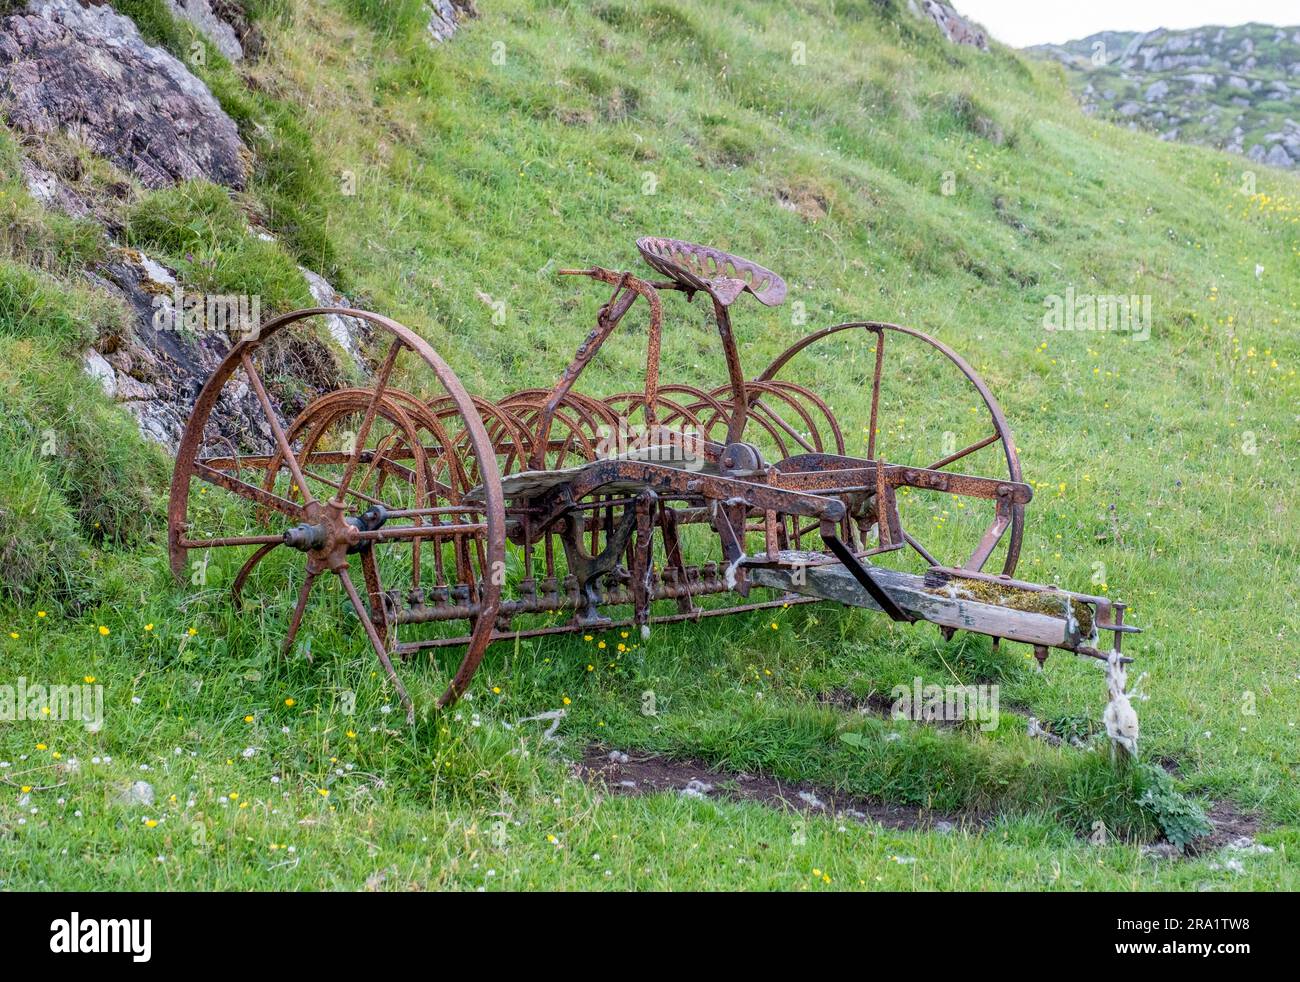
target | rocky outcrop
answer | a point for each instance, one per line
(1228, 87)
(87, 72)
(156, 371)
(954, 26)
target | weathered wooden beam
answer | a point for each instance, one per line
(834, 582)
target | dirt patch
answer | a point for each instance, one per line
(881, 706)
(1169, 765)
(807, 202)
(872, 704)
(1231, 825)
(636, 773)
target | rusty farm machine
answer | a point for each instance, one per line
(453, 522)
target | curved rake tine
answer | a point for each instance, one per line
(237, 587)
(296, 622)
(376, 642)
(369, 418)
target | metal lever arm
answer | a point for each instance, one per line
(860, 573)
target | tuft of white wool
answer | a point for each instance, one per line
(645, 632)
(729, 578)
(1120, 718)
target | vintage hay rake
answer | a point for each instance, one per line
(602, 500)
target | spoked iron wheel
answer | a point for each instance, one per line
(359, 468)
(953, 415)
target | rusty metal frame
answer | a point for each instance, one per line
(456, 477)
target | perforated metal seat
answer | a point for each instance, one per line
(720, 274)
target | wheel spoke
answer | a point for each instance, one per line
(979, 445)
(875, 393)
(353, 492)
(780, 421)
(990, 539)
(922, 550)
(243, 488)
(376, 642)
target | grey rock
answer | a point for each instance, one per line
(157, 370)
(140, 793)
(350, 333)
(131, 389)
(1237, 82)
(1244, 843)
(1157, 90)
(1256, 153)
(445, 16)
(1161, 850)
(1278, 157)
(87, 72)
(101, 371)
(201, 15)
(954, 26)
(1129, 109)
(46, 188)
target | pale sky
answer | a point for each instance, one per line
(1023, 22)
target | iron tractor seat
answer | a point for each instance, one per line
(719, 274)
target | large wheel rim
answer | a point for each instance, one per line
(492, 505)
(1001, 428)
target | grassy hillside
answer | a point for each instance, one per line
(886, 174)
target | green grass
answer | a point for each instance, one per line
(198, 229)
(1162, 470)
